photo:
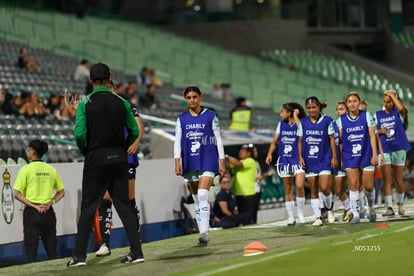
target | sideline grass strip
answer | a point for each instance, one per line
(371, 252)
(309, 247)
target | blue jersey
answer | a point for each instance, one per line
(198, 143)
(132, 158)
(356, 143)
(287, 147)
(336, 139)
(316, 147)
(396, 138)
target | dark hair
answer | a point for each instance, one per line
(352, 94)
(84, 61)
(192, 88)
(40, 147)
(224, 176)
(291, 106)
(315, 100)
(240, 100)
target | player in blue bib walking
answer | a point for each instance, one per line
(198, 154)
(359, 153)
(317, 155)
(392, 122)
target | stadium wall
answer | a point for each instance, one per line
(158, 194)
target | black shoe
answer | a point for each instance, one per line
(75, 261)
(202, 241)
(131, 258)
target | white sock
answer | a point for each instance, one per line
(315, 204)
(321, 200)
(370, 196)
(400, 198)
(290, 208)
(327, 200)
(354, 202)
(300, 202)
(362, 199)
(204, 211)
(346, 204)
(196, 209)
(388, 200)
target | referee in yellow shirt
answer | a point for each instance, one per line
(38, 186)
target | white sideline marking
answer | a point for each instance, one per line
(222, 269)
(404, 229)
(218, 270)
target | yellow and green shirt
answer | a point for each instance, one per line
(37, 181)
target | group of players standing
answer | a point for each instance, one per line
(327, 152)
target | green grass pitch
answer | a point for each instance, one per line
(337, 249)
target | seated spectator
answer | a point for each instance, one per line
(216, 93)
(131, 90)
(67, 110)
(82, 71)
(149, 100)
(9, 106)
(155, 79)
(53, 105)
(28, 62)
(144, 78)
(227, 92)
(225, 210)
(33, 107)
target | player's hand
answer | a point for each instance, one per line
(268, 159)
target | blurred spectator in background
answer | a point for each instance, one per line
(227, 92)
(131, 90)
(33, 107)
(150, 100)
(241, 116)
(144, 78)
(8, 107)
(82, 71)
(53, 106)
(216, 92)
(28, 62)
(67, 110)
(154, 79)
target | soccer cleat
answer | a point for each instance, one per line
(389, 212)
(301, 219)
(401, 209)
(131, 258)
(291, 221)
(75, 261)
(103, 251)
(331, 216)
(354, 219)
(203, 240)
(317, 222)
(372, 216)
(363, 213)
(346, 217)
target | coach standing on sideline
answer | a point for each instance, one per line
(99, 133)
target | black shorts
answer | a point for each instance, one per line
(132, 171)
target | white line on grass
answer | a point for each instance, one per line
(222, 269)
(404, 229)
